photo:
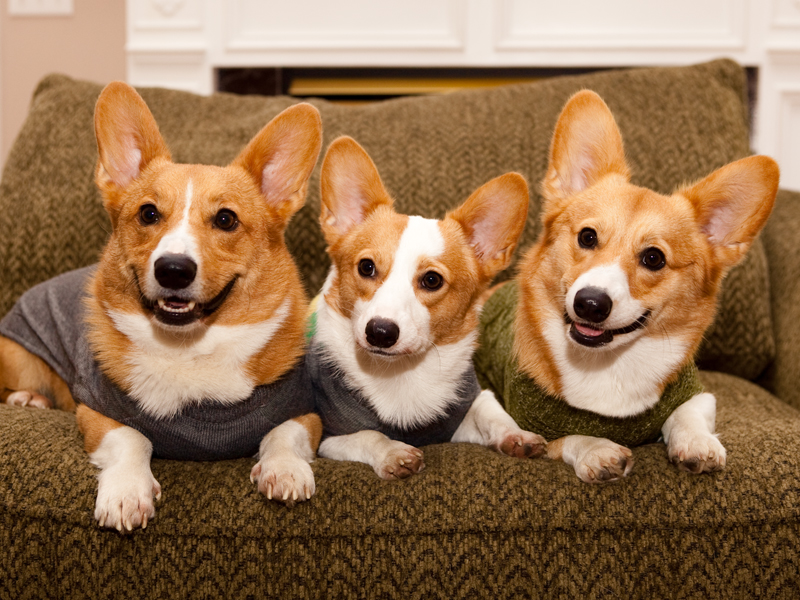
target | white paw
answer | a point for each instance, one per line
(125, 500)
(602, 460)
(288, 478)
(400, 461)
(697, 452)
(522, 444)
(26, 398)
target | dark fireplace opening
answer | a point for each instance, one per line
(355, 84)
(369, 84)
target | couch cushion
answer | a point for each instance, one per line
(678, 125)
(472, 524)
(782, 245)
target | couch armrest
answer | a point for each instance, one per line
(781, 238)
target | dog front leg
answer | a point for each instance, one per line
(283, 471)
(487, 424)
(125, 485)
(689, 435)
(389, 458)
(595, 460)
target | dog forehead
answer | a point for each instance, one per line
(421, 239)
(171, 181)
(376, 237)
(631, 215)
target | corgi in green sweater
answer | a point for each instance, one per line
(611, 303)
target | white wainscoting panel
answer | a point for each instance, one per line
(621, 24)
(178, 15)
(167, 26)
(788, 154)
(344, 24)
(778, 113)
(786, 13)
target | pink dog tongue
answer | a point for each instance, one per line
(588, 331)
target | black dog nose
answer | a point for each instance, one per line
(175, 271)
(592, 304)
(382, 333)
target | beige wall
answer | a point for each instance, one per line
(90, 44)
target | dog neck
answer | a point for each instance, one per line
(619, 383)
(406, 391)
(166, 371)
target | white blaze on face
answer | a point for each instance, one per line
(612, 280)
(178, 240)
(396, 299)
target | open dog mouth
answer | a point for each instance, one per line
(591, 337)
(177, 311)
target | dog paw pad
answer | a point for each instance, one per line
(288, 480)
(126, 508)
(603, 462)
(523, 444)
(401, 461)
(698, 454)
(26, 398)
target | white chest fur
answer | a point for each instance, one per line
(619, 382)
(168, 372)
(407, 391)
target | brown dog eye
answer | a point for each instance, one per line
(148, 214)
(226, 220)
(587, 238)
(432, 281)
(653, 259)
(366, 268)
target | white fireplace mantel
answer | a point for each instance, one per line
(180, 43)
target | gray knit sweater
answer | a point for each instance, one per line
(48, 321)
(345, 410)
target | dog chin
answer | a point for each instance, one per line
(387, 355)
(391, 354)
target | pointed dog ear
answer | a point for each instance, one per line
(586, 146)
(351, 188)
(127, 137)
(281, 157)
(493, 218)
(733, 204)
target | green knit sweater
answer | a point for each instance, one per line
(536, 410)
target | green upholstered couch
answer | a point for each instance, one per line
(474, 523)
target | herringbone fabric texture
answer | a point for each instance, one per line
(783, 255)
(432, 152)
(473, 524)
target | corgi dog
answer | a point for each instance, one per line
(396, 322)
(616, 294)
(186, 340)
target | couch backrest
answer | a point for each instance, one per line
(678, 125)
